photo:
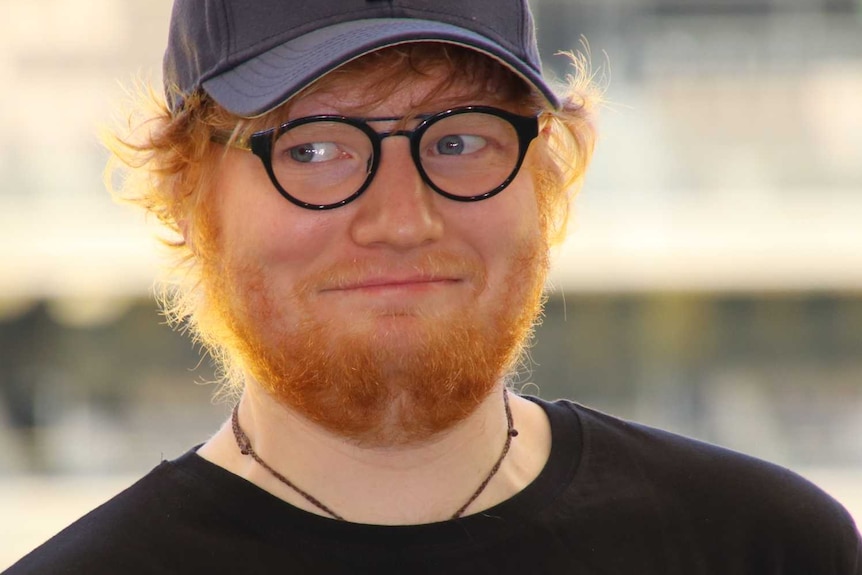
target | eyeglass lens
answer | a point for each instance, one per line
(325, 162)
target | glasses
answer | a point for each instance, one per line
(466, 154)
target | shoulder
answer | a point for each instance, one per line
(119, 534)
(655, 454)
(731, 499)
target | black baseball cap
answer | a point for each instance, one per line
(251, 56)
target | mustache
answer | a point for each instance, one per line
(431, 266)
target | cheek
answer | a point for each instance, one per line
(513, 217)
(258, 223)
(502, 227)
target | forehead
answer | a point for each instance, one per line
(420, 77)
(363, 96)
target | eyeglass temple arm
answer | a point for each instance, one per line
(230, 139)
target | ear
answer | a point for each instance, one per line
(185, 229)
(546, 130)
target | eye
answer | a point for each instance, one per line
(313, 152)
(458, 144)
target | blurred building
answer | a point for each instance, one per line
(712, 282)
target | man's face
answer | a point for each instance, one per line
(386, 320)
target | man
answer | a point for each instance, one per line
(364, 194)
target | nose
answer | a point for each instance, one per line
(397, 210)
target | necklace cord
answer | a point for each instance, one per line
(511, 433)
(244, 444)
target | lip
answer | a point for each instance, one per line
(381, 284)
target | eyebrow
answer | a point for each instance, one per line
(378, 118)
(371, 119)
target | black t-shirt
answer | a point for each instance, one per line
(614, 498)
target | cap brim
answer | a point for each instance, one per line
(264, 82)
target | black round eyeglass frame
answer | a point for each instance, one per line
(261, 145)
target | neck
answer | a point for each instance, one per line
(404, 484)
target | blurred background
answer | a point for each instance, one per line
(711, 285)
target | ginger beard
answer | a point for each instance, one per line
(368, 385)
